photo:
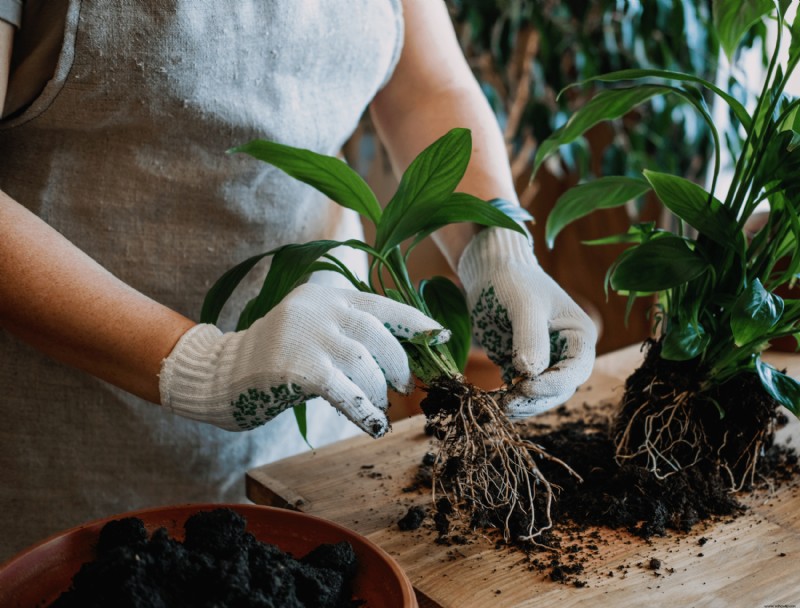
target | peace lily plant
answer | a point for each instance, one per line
(482, 464)
(704, 391)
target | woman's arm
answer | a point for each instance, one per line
(431, 92)
(57, 299)
(60, 301)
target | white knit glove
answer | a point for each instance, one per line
(525, 322)
(338, 344)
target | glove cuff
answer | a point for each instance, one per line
(493, 246)
(186, 372)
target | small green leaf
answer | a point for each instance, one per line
(656, 265)
(606, 105)
(447, 305)
(300, 416)
(328, 174)
(684, 342)
(221, 290)
(733, 19)
(782, 388)
(603, 193)
(429, 180)
(697, 208)
(756, 311)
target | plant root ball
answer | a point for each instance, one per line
(485, 471)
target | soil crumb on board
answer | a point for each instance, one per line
(627, 498)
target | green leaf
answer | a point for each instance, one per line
(603, 193)
(300, 416)
(606, 105)
(684, 342)
(733, 19)
(429, 181)
(328, 174)
(221, 291)
(782, 388)
(458, 207)
(697, 208)
(656, 265)
(639, 74)
(291, 265)
(447, 305)
(756, 311)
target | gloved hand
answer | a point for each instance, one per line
(525, 322)
(338, 344)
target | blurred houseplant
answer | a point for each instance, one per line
(525, 51)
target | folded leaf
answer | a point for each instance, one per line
(448, 306)
(697, 208)
(684, 342)
(782, 388)
(656, 265)
(754, 313)
(603, 193)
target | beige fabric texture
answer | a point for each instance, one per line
(124, 153)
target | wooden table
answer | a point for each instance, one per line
(748, 562)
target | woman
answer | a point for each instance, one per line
(119, 208)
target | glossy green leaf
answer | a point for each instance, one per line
(694, 206)
(458, 207)
(300, 416)
(656, 265)
(221, 290)
(733, 19)
(606, 105)
(447, 305)
(291, 265)
(328, 174)
(684, 342)
(756, 311)
(784, 389)
(636, 233)
(603, 193)
(741, 113)
(428, 182)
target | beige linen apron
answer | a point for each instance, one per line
(124, 153)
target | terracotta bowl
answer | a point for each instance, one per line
(38, 575)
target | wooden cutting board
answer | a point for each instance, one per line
(748, 562)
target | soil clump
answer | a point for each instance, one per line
(218, 564)
(600, 491)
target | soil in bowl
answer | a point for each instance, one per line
(218, 564)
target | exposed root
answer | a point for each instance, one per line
(665, 439)
(666, 423)
(483, 467)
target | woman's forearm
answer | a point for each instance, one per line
(432, 91)
(60, 301)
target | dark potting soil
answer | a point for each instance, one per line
(218, 564)
(628, 497)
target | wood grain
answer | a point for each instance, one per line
(359, 483)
